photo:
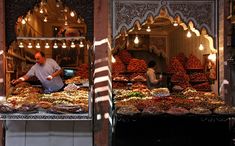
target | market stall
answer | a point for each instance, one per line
(188, 104)
(57, 30)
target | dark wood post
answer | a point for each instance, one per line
(102, 75)
(2, 58)
(2, 47)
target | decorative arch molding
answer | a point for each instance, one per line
(202, 13)
(17, 8)
(13, 10)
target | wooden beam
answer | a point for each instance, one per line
(2, 47)
(102, 116)
(2, 59)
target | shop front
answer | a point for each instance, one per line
(188, 104)
(32, 114)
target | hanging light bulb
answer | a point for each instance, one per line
(175, 24)
(81, 45)
(64, 45)
(41, 11)
(29, 19)
(136, 40)
(21, 45)
(79, 20)
(72, 14)
(38, 46)
(23, 21)
(30, 45)
(55, 46)
(45, 19)
(113, 59)
(201, 47)
(72, 45)
(148, 29)
(57, 4)
(1, 52)
(66, 23)
(213, 58)
(47, 46)
(65, 10)
(189, 34)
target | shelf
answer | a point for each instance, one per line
(198, 81)
(128, 72)
(45, 116)
(16, 56)
(195, 69)
(128, 81)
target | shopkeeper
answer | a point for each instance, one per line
(152, 81)
(47, 71)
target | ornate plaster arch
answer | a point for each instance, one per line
(201, 12)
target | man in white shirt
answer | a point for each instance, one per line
(152, 81)
(47, 71)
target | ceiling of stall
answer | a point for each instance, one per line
(57, 13)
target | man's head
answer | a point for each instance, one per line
(151, 64)
(40, 57)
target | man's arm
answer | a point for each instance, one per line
(21, 79)
(57, 69)
(152, 77)
(57, 73)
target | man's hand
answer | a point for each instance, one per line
(49, 77)
(14, 82)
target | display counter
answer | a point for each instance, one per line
(42, 116)
(180, 130)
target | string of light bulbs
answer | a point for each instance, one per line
(55, 45)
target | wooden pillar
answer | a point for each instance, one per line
(2, 47)
(102, 116)
(2, 59)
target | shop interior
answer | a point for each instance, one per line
(165, 39)
(56, 30)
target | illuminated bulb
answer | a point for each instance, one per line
(23, 21)
(213, 57)
(113, 59)
(28, 19)
(72, 14)
(65, 10)
(57, 4)
(21, 45)
(72, 45)
(55, 46)
(201, 47)
(38, 46)
(66, 23)
(81, 44)
(136, 40)
(175, 24)
(47, 46)
(1, 52)
(30, 45)
(79, 20)
(41, 11)
(45, 19)
(64, 45)
(189, 35)
(148, 29)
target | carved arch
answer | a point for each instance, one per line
(201, 13)
(17, 8)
